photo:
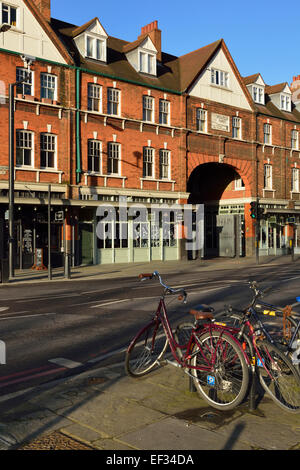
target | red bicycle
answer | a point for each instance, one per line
(211, 355)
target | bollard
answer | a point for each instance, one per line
(67, 266)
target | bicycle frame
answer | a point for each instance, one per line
(162, 317)
(250, 338)
(277, 310)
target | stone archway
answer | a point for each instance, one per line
(213, 183)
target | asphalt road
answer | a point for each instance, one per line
(53, 329)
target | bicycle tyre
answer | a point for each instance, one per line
(226, 385)
(281, 381)
(182, 335)
(146, 350)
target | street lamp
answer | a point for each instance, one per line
(11, 100)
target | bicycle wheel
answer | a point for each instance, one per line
(146, 350)
(280, 379)
(182, 335)
(294, 346)
(225, 386)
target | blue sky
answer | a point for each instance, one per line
(262, 36)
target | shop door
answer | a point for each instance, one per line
(226, 234)
(86, 243)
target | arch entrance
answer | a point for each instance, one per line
(222, 190)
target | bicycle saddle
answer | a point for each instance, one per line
(202, 312)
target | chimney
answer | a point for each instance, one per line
(154, 34)
(44, 6)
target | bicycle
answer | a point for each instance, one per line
(270, 361)
(212, 356)
(290, 334)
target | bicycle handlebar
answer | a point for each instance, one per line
(168, 289)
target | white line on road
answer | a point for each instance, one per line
(26, 316)
(62, 361)
(50, 296)
(289, 279)
(105, 356)
(110, 303)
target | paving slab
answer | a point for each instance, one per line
(172, 433)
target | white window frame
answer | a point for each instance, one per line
(285, 102)
(113, 100)
(267, 134)
(24, 72)
(94, 52)
(25, 132)
(219, 78)
(295, 139)
(164, 164)
(51, 139)
(147, 62)
(295, 180)
(201, 120)
(9, 20)
(164, 112)
(49, 77)
(236, 127)
(148, 108)
(268, 177)
(239, 184)
(92, 156)
(148, 162)
(95, 97)
(113, 155)
(258, 94)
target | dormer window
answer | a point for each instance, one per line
(91, 40)
(256, 87)
(142, 55)
(147, 63)
(258, 94)
(285, 102)
(95, 48)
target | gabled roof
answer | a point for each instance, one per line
(192, 64)
(251, 78)
(49, 31)
(273, 89)
(133, 45)
(80, 29)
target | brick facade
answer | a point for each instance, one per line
(204, 166)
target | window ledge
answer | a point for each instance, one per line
(95, 173)
(162, 180)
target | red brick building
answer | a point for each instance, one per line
(106, 120)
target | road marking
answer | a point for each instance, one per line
(28, 377)
(66, 363)
(290, 279)
(110, 303)
(24, 372)
(26, 316)
(105, 356)
(61, 296)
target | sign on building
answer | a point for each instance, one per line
(220, 122)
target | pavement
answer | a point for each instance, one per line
(125, 270)
(101, 408)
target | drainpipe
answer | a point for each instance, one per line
(78, 146)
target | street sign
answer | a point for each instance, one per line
(59, 216)
(291, 220)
